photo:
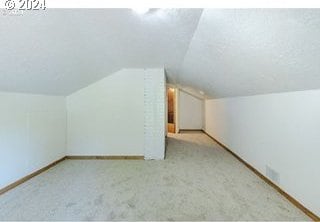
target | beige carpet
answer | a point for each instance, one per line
(197, 181)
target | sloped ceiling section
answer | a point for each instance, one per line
(222, 52)
(254, 51)
(58, 51)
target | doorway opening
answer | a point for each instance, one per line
(171, 125)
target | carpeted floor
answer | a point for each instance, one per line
(197, 181)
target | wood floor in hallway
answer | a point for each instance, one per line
(197, 181)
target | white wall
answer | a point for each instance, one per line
(32, 134)
(107, 117)
(119, 115)
(154, 114)
(190, 111)
(279, 130)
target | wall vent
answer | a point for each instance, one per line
(272, 174)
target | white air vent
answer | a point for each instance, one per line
(272, 174)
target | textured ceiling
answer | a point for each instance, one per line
(223, 52)
(58, 51)
(254, 51)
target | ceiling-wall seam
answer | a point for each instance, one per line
(191, 39)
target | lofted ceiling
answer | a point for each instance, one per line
(58, 51)
(254, 51)
(222, 52)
